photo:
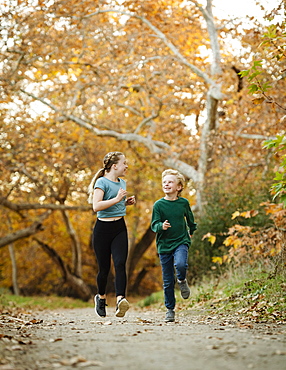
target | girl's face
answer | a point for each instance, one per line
(121, 166)
(170, 184)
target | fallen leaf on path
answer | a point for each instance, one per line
(278, 352)
(212, 346)
(52, 340)
(79, 361)
(15, 348)
(210, 337)
(90, 363)
(232, 350)
(144, 321)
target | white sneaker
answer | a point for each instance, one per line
(121, 307)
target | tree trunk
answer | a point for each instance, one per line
(79, 286)
(16, 290)
(135, 287)
(140, 276)
(76, 248)
(139, 249)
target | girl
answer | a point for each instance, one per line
(107, 193)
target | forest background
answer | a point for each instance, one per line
(169, 85)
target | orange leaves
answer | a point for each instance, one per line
(246, 214)
(234, 241)
(239, 229)
(246, 244)
(272, 208)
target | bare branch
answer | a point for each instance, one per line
(28, 206)
(250, 136)
(36, 227)
(161, 36)
(133, 110)
(156, 147)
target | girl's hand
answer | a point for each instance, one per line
(166, 225)
(130, 200)
(121, 194)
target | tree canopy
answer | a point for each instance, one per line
(158, 80)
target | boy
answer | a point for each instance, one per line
(173, 222)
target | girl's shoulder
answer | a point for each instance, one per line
(100, 180)
(104, 181)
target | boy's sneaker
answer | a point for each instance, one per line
(121, 307)
(185, 290)
(100, 306)
(170, 316)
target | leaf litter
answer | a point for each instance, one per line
(21, 331)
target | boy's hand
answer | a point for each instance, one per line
(166, 225)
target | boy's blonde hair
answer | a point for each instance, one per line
(179, 176)
(108, 161)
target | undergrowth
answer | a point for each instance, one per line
(247, 291)
(252, 292)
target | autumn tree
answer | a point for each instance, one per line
(83, 78)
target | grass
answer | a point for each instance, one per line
(245, 291)
(151, 300)
(9, 302)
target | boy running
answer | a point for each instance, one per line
(173, 223)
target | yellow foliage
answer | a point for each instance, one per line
(220, 260)
(258, 100)
(217, 260)
(211, 238)
(235, 214)
(246, 214)
(237, 243)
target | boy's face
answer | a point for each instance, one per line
(170, 184)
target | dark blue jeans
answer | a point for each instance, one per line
(178, 258)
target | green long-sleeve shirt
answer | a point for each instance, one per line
(180, 216)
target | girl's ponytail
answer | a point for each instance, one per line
(90, 188)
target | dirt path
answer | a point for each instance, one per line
(69, 339)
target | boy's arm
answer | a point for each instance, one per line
(156, 223)
(190, 220)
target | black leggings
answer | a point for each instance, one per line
(110, 239)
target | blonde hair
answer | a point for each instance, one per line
(108, 161)
(179, 176)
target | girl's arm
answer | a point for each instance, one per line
(99, 204)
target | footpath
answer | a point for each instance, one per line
(78, 338)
